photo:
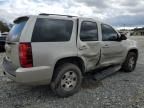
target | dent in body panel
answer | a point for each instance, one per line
(91, 55)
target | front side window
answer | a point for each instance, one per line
(89, 31)
(108, 33)
(52, 30)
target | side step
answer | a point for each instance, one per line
(105, 73)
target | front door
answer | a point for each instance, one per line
(112, 49)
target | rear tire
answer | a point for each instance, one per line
(130, 62)
(66, 80)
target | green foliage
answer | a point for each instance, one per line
(3, 27)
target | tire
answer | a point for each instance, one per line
(66, 80)
(128, 65)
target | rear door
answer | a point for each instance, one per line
(88, 43)
(12, 41)
(112, 48)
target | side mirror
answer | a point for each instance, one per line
(123, 37)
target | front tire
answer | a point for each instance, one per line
(130, 62)
(66, 80)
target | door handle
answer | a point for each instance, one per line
(105, 46)
(83, 47)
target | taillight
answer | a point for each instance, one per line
(25, 53)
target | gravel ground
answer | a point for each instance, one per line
(121, 90)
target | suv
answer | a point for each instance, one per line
(59, 50)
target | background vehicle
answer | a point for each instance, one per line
(58, 50)
(2, 43)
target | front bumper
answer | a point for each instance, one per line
(33, 76)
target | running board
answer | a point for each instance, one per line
(105, 73)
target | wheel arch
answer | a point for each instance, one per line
(75, 60)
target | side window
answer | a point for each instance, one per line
(108, 33)
(89, 31)
(52, 30)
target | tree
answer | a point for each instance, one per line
(3, 27)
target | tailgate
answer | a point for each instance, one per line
(12, 53)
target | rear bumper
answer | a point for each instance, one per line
(32, 76)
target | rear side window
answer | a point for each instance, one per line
(52, 30)
(89, 31)
(16, 30)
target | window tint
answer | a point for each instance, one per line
(89, 31)
(16, 30)
(108, 33)
(52, 30)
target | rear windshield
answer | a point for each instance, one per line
(52, 30)
(16, 30)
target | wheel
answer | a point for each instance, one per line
(130, 62)
(67, 80)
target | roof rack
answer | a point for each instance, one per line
(57, 15)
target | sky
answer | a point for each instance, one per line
(119, 13)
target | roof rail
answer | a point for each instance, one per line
(57, 15)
